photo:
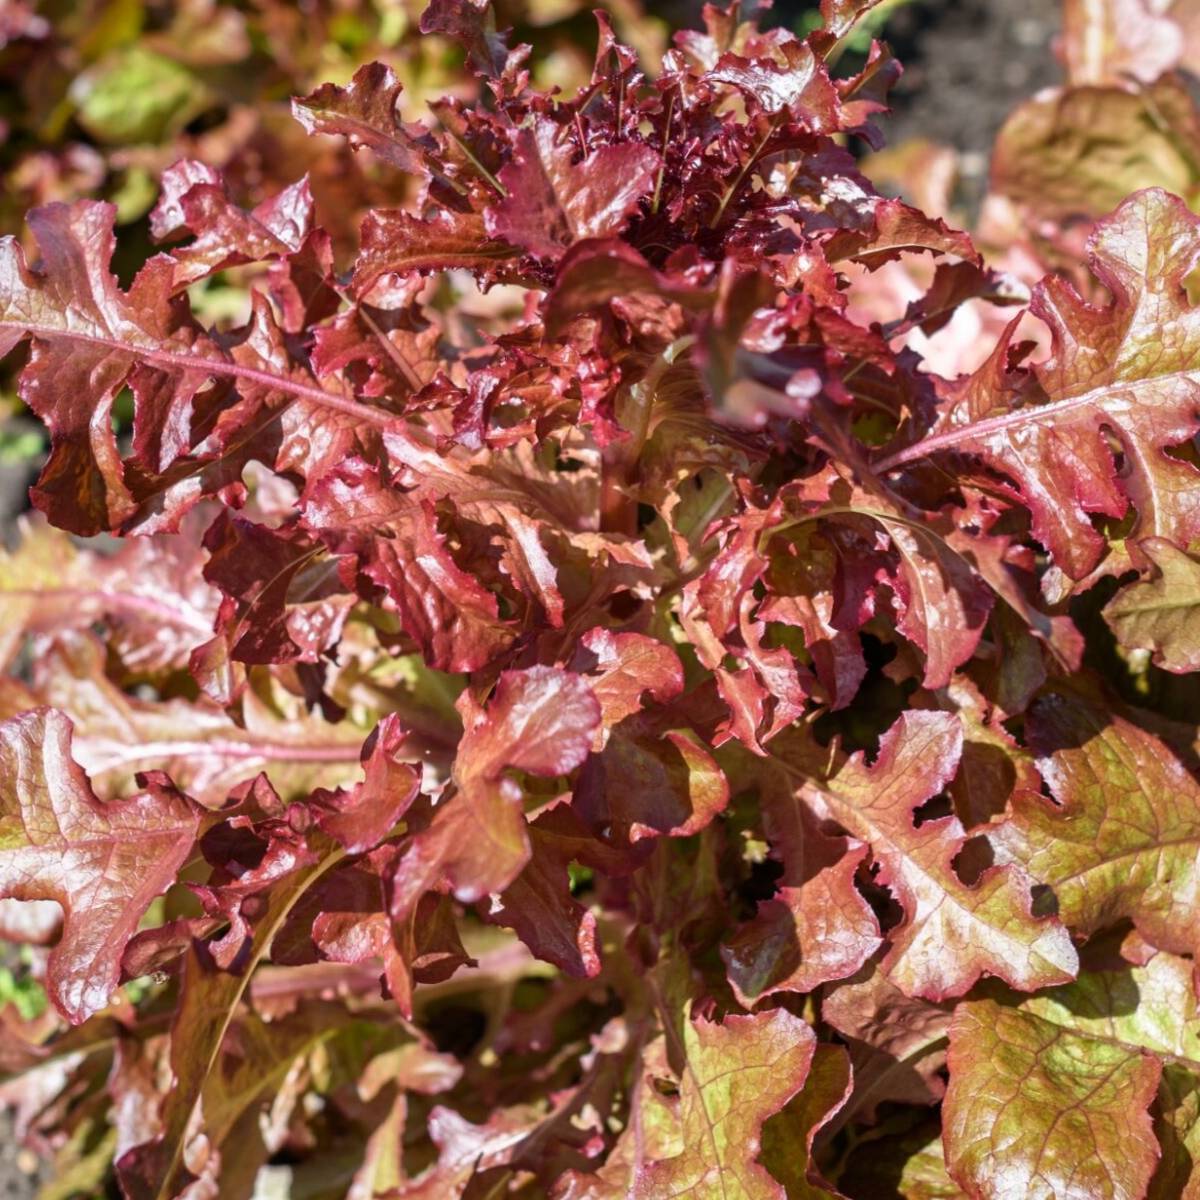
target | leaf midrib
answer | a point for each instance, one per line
(1024, 416)
(216, 366)
(1193, 839)
(1133, 610)
(1132, 1048)
(186, 616)
(271, 751)
(260, 948)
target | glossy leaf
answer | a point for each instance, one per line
(1142, 254)
(1062, 1082)
(817, 926)
(611, 671)
(1121, 839)
(365, 113)
(540, 720)
(553, 201)
(103, 863)
(990, 924)
(737, 1074)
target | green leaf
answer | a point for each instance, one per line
(909, 1166)
(1049, 1095)
(1123, 840)
(736, 1075)
(788, 1136)
(1161, 615)
(1177, 1127)
(208, 999)
(135, 95)
(1082, 150)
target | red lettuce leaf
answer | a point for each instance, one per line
(103, 863)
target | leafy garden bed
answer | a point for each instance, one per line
(637, 663)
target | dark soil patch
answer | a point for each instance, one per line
(967, 65)
(15, 1181)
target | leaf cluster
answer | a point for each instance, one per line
(574, 704)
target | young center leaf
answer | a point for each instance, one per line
(553, 201)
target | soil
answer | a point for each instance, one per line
(16, 1183)
(968, 63)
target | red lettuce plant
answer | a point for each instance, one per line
(580, 714)
(101, 96)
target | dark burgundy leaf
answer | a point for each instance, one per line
(556, 197)
(473, 26)
(365, 113)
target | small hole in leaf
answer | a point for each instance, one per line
(887, 912)
(624, 605)
(209, 119)
(1045, 902)
(581, 877)
(286, 1157)
(878, 703)
(973, 859)
(760, 883)
(933, 809)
